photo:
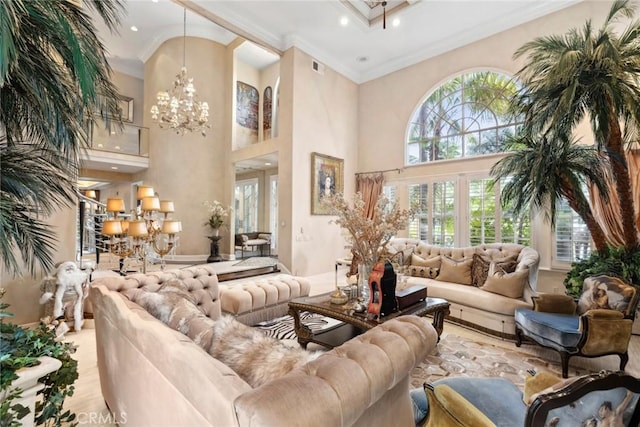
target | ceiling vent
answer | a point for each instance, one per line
(317, 67)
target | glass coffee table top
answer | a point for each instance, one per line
(355, 323)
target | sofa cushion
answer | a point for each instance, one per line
(455, 271)
(425, 262)
(508, 284)
(605, 292)
(553, 329)
(471, 296)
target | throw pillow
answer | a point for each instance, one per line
(451, 408)
(455, 271)
(422, 262)
(605, 292)
(479, 270)
(503, 265)
(507, 284)
(428, 272)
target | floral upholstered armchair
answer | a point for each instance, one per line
(599, 323)
(601, 399)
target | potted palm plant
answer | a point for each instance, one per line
(54, 80)
(585, 73)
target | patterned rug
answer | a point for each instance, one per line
(282, 327)
(457, 356)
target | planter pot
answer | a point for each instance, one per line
(27, 381)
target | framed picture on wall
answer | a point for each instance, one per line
(327, 177)
(125, 109)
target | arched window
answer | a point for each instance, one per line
(466, 116)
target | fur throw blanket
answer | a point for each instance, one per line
(255, 357)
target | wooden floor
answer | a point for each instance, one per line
(90, 408)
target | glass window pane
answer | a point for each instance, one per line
(466, 116)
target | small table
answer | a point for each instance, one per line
(355, 323)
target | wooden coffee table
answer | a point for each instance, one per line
(355, 323)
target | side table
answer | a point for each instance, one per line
(214, 250)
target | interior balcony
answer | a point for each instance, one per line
(124, 150)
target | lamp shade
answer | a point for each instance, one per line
(137, 229)
(145, 191)
(90, 194)
(166, 206)
(112, 227)
(125, 226)
(150, 204)
(170, 226)
(115, 205)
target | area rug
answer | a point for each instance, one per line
(258, 261)
(458, 356)
(454, 356)
(282, 327)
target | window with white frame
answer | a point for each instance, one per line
(489, 222)
(389, 192)
(464, 117)
(419, 225)
(435, 221)
(246, 206)
(573, 240)
(444, 214)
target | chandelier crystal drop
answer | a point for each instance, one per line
(178, 108)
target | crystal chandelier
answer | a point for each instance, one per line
(179, 108)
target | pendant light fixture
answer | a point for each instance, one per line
(178, 108)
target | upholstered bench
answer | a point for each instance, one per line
(255, 300)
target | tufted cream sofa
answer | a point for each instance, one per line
(486, 311)
(151, 374)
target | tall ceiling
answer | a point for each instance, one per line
(346, 35)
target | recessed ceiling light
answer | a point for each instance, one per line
(134, 28)
(267, 163)
(396, 22)
(117, 147)
(362, 58)
(155, 1)
(115, 168)
(344, 21)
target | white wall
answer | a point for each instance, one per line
(325, 113)
(190, 168)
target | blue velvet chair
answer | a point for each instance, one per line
(480, 402)
(599, 323)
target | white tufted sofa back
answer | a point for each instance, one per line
(201, 281)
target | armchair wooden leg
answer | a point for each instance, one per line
(518, 337)
(564, 361)
(624, 358)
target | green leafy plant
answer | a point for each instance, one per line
(21, 347)
(621, 262)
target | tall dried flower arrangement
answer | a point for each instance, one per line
(368, 236)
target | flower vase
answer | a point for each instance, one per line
(363, 283)
(215, 232)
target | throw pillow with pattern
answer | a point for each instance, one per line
(479, 270)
